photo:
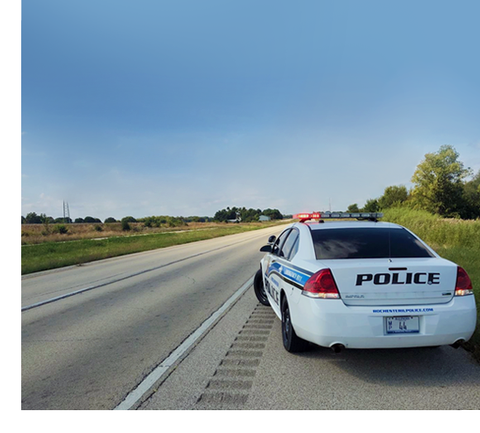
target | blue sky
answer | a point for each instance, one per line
(186, 107)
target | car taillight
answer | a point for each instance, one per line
(321, 285)
(464, 284)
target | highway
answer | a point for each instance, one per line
(88, 351)
(93, 349)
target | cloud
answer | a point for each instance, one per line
(43, 203)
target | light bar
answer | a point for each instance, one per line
(337, 215)
(368, 215)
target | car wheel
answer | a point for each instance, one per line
(260, 289)
(291, 341)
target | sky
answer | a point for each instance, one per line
(186, 107)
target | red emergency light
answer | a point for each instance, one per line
(307, 216)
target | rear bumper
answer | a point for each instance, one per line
(329, 321)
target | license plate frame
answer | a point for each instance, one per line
(402, 325)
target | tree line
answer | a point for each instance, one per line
(246, 215)
(150, 221)
(34, 218)
(442, 185)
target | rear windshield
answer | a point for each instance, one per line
(367, 243)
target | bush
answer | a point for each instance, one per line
(158, 221)
(61, 229)
(125, 224)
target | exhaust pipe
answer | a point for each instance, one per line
(458, 343)
(337, 347)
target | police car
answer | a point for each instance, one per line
(362, 284)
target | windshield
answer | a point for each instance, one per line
(367, 243)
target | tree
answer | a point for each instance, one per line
(33, 218)
(353, 208)
(274, 214)
(89, 219)
(471, 198)
(46, 219)
(246, 215)
(129, 219)
(61, 220)
(110, 220)
(371, 205)
(393, 195)
(438, 182)
(225, 214)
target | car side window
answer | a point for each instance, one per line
(279, 242)
(290, 246)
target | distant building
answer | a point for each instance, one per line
(264, 218)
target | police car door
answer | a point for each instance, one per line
(281, 252)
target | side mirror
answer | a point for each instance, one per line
(266, 249)
(272, 239)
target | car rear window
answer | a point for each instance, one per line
(367, 243)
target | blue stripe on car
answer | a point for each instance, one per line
(291, 273)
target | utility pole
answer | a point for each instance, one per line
(66, 212)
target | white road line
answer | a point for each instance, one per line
(159, 372)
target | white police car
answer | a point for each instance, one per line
(362, 284)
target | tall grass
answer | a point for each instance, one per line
(435, 230)
(453, 239)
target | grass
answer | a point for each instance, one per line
(50, 254)
(455, 240)
(437, 231)
(41, 233)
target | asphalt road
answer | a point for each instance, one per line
(90, 350)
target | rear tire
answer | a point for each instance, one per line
(260, 289)
(291, 341)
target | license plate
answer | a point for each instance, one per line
(402, 325)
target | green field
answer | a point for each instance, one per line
(51, 255)
(455, 240)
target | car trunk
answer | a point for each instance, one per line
(384, 282)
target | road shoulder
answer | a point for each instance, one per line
(241, 364)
